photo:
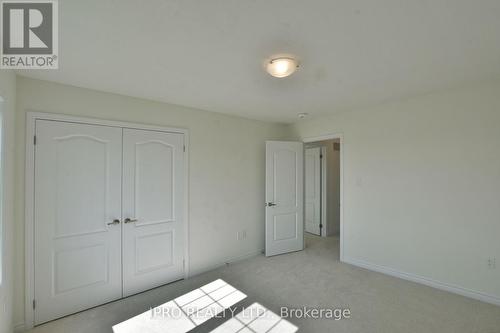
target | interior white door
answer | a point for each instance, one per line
(153, 236)
(313, 190)
(77, 232)
(284, 197)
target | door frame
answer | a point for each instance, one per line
(29, 195)
(340, 137)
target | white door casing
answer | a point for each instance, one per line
(313, 190)
(77, 252)
(284, 197)
(153, 238)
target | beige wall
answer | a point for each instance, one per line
(8, 93)
(226, 171)
(422, 185)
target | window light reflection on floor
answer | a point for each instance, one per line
(256, 319)
(185, 312)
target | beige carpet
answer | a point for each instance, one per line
(312, 278)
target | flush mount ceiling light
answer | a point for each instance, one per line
(282, 66)
(302, 115)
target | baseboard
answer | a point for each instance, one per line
(19, 327)
(230, 260)
(425, 281)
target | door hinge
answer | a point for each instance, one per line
(34, 304)
(320, 226)
(34, 140)
(321, 156)
(184, 148)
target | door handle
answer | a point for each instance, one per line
(130, 220)
(270, 204)
(115, 221)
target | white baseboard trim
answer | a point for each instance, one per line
(230, 260)
(19, 327)
(425, 281)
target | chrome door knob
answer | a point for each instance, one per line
(130, 220)
(115, 221)
(270, 204)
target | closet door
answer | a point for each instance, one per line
(153, 237)
(77, 231)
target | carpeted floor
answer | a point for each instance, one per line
(312, 278)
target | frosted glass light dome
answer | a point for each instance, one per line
(282, 67)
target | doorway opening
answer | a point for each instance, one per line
(285, 192)
(323, 188)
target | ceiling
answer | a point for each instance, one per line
(210, 54)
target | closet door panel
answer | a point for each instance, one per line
(77, 195)
(153, 236)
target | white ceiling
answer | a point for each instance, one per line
(209, 54)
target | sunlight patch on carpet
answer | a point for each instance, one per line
(185, 312)
(256, 319)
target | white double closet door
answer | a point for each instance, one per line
(108, 214)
